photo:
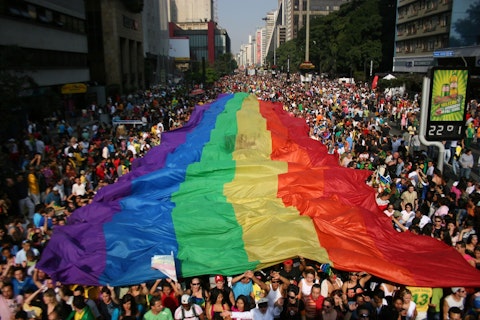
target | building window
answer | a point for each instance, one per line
(32, 11)
(45, 15)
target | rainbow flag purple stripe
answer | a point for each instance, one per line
(241, 187)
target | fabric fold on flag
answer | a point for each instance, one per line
(241, 187)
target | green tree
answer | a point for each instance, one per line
(284, 52)
(343, 41)
(211, 75)
(225, 64)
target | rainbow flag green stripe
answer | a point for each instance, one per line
(242, 186)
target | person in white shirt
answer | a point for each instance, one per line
(188, 310)
(261, 312)
(21, 255)
(78, 188)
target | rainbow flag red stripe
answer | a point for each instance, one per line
(241, 187)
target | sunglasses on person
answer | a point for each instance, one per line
(196, 284)
(292, 297)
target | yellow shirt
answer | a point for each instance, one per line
(79, 315)
(421, 296)
(33, 184)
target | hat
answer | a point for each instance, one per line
(26, 241)
(476, 303)
(397, 214)
(185, 299)
(262, 301)
(455, 183)
(288, 262)
(219, 278)
(455, 289)
(55, 188)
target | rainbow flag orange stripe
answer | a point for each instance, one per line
(242, 187)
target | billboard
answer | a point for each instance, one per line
(179, 49)
(447, 104)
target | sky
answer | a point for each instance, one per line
(242, 17)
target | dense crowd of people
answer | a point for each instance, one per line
(57, 167)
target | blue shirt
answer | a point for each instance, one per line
(240, 288)
(21, 287)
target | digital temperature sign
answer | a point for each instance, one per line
(447, 104)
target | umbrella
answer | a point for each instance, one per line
(196, 92)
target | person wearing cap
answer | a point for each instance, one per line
(261, 312)
(226, 290)
(53, 198)
(456, 299)
(188, 310)
(158, 311)
(291, 272)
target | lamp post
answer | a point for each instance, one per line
(307, 36)
(307, 66)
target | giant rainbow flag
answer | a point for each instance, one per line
(241, 187)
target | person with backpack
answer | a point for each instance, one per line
(188, 310)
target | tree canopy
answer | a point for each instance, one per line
(343, 42)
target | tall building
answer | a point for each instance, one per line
(196, 21)
(115, 41)
(296, 13)
(158, 65)
(284, 23)
(428, 31)
(191, 11)
(53, 35)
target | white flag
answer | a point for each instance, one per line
(166, 264)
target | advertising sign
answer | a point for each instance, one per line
(71, 88)
(447, 104)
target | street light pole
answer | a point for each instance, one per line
(307, 36)
(307, 46)
(274, 45)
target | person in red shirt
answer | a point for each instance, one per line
(313, 303)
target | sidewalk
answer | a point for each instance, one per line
(447, 171)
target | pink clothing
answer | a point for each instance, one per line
(457, 192)
(442, 211)
(468, 257)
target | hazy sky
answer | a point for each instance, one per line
(242, 17)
